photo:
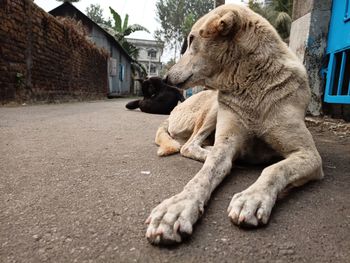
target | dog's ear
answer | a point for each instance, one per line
(230, 22)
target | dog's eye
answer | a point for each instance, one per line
(190, 39)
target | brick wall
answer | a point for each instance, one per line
(43, 59)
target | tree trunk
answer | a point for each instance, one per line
(219, 2)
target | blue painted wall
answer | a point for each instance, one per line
(339, 31)
(338, 48)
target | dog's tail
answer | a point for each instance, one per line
(133, 104)
(167, 145)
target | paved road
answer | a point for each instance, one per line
(72, 190)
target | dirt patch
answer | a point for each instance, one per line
(337, 126)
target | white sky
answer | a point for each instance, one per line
(141, 12)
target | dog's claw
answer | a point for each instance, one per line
(159, 231)
(173, 219)
(251, 207)
(176, 226)
(241, 219)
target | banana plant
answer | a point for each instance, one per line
(122, 28)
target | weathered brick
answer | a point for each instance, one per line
(63, 64)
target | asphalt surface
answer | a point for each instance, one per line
(78, 180)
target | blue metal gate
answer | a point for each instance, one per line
(338, 49)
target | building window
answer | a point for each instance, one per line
(121, 72)
(153, 69)
(113, 67)
(152, 53)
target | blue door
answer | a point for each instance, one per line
(338, 49)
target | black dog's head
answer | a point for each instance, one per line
(152, 86)
(158, 97)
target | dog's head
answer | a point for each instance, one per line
(151, 86)
(215, 42)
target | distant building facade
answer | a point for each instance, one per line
(150, 53)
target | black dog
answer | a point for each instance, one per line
(159, 97)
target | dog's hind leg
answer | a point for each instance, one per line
(302, 163)
(167, 145)
(204, 127)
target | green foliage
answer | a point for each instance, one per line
(19, 79)
(167, 67)
(255, 6)
(123, 29)
(120, 29)
(117, 26)
(177, 17)
(95, 13)
(219, 2)
(283, 23)
(138, 67)
(283, 6)
(278, 13)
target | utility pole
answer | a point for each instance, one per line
(219, 2)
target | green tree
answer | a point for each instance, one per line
(219, 2)
(95, 13)
(283, 6)
(120, 30)
(167, 66)
(278, 13)
(177, 17)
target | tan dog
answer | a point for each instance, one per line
(189, 126)
(263, 93)
(190, 129)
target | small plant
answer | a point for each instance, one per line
(19, 79)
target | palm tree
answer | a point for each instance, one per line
(278, 13)
(283, 23)
(120, 30)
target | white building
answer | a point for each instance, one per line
(150, 52)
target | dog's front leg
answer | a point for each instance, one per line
(174, 217)
(302, 163)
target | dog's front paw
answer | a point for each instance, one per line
(173, 219)
(251, 207)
